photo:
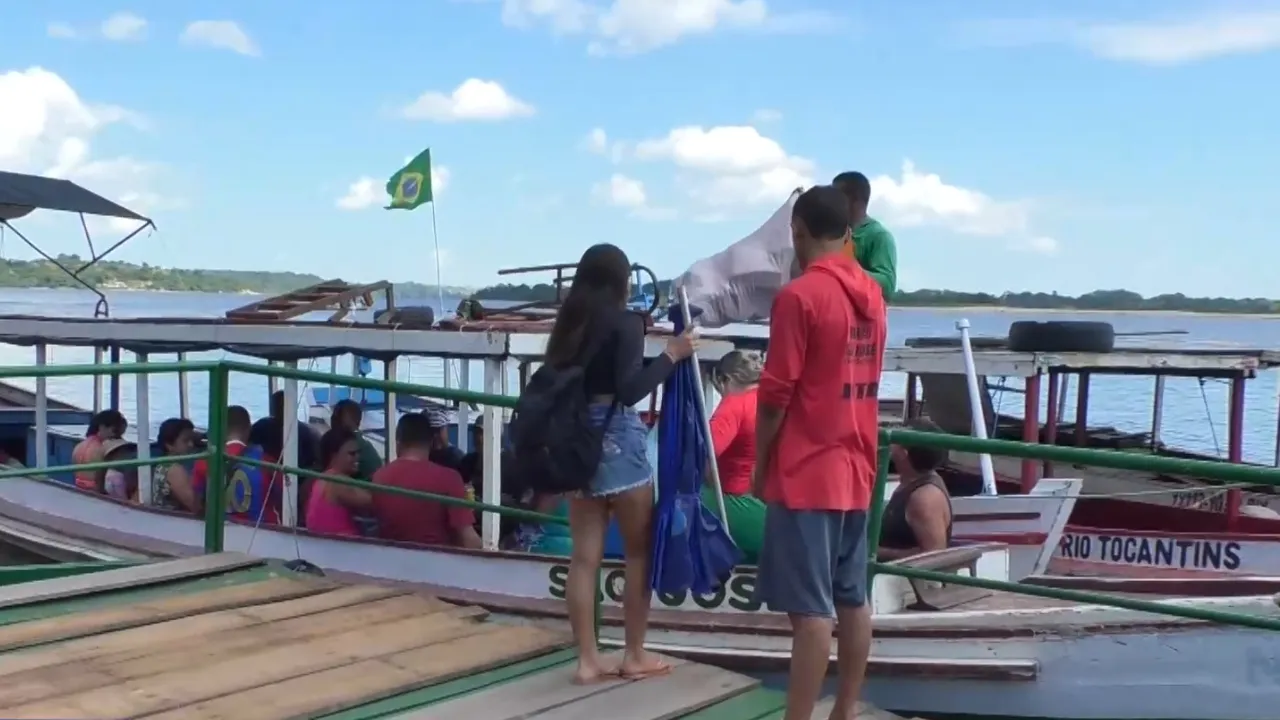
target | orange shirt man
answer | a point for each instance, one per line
(816, 443)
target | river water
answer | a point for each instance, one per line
(1195, 413)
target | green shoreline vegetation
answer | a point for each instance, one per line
(1096, 301)
(113, 275)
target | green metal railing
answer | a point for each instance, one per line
(215, 492)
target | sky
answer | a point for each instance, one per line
(1027, 145)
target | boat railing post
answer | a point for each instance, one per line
(215, 504)
(184, 389)
(98, 356)
(142, 392)
(290, 422)
(1157, 412)
(491, 484)
(464, 409)
(877, 507)
(979, 420)
(42, 408)
(390, 408)
(114, 354)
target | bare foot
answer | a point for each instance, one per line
(592, 672)
(641, 665)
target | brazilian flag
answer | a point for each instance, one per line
(411, 185)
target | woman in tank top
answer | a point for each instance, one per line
(594, 315)
(170, 482)
(917, 518)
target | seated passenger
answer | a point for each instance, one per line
(347, 415)
(443, 452)
(415, 520)
(917, 518)
(330, 506)
(238, 428)
(307, 440)
(472, 470)
(170, 484)
(106, 425)
(733, 436)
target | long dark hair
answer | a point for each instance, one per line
(599, 285)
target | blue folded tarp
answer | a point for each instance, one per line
(691, 549)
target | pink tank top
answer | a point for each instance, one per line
(326, 516)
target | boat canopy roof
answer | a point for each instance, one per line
(20, 194)
(1130, 357)
(301, 340)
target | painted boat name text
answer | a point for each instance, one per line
(738, 594)
(1192, 554)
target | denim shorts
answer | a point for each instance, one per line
(624, 462)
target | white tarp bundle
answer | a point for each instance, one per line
(738, 284)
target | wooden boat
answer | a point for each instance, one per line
(1125, 523)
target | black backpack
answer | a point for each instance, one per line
(557, 447)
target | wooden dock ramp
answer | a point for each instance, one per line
(225, 637)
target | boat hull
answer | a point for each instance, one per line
(1128, 524)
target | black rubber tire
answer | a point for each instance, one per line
(1062, 336)
(977, 343)
(415, 316)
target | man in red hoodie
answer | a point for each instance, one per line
(816, 443)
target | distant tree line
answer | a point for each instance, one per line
(111, 274)
(1113, 300)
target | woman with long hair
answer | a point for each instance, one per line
(733, 436)
(594, 314)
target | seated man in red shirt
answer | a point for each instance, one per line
(816, 444)
(421, 521)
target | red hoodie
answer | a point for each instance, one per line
(826, 349)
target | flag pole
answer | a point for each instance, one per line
(435, 237)
(713, 471)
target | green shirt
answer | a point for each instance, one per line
(370, 460)
(876, 252)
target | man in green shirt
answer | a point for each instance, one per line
(873, 245)
(347, 415)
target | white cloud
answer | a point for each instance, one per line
(1167, 41)
(734, 165)
(628, 27)
(730, 167)
(220, 35)
(367, 192)
(1041, 244)
(628, 193)
(61, 31)
(124, 27)
(48, 129)
(924, 199)
(474, 99)
(765, 116)
(621, 191)
(597, 141)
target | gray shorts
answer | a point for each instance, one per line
(812, 561)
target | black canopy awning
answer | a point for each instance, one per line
(43, 193)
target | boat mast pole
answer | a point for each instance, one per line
(979, 420)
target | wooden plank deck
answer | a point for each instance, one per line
(220, 639)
